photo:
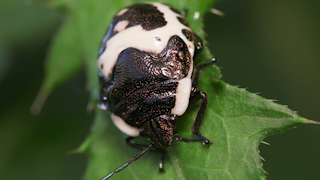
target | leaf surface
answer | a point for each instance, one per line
(235, 120)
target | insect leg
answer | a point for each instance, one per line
(133, 144)
(141, 146)
(126, 164)
(162, 159)
(198, 43)
(179, 138)
(195, 96)
(197, 70)
(197, 123)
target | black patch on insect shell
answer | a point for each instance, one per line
(135, 69)
(143, 84)
(147, 103)
(146, 15)
(175, 10)
(188, 34)
(176, 58)
(183, 21)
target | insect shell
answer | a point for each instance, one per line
(145, 66)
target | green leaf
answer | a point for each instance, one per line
(64, 60)
(235, 120)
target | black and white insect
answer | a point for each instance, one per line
(145, 63)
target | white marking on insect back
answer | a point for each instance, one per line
(122, 11)
(124, 127)
(121, 25)
(182, 96)
(183, 92)
(141, 39)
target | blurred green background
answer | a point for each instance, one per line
(272, 47)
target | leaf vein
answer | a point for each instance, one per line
(176, 165)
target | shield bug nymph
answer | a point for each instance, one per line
(145, 66)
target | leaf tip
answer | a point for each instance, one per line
(74, 151)
(264, 142)
(217, 12)
(312, 122)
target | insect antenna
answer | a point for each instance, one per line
(126, 164)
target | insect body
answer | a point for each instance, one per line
(145, 63)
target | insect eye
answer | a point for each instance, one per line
(102, 103)
(173, 119)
